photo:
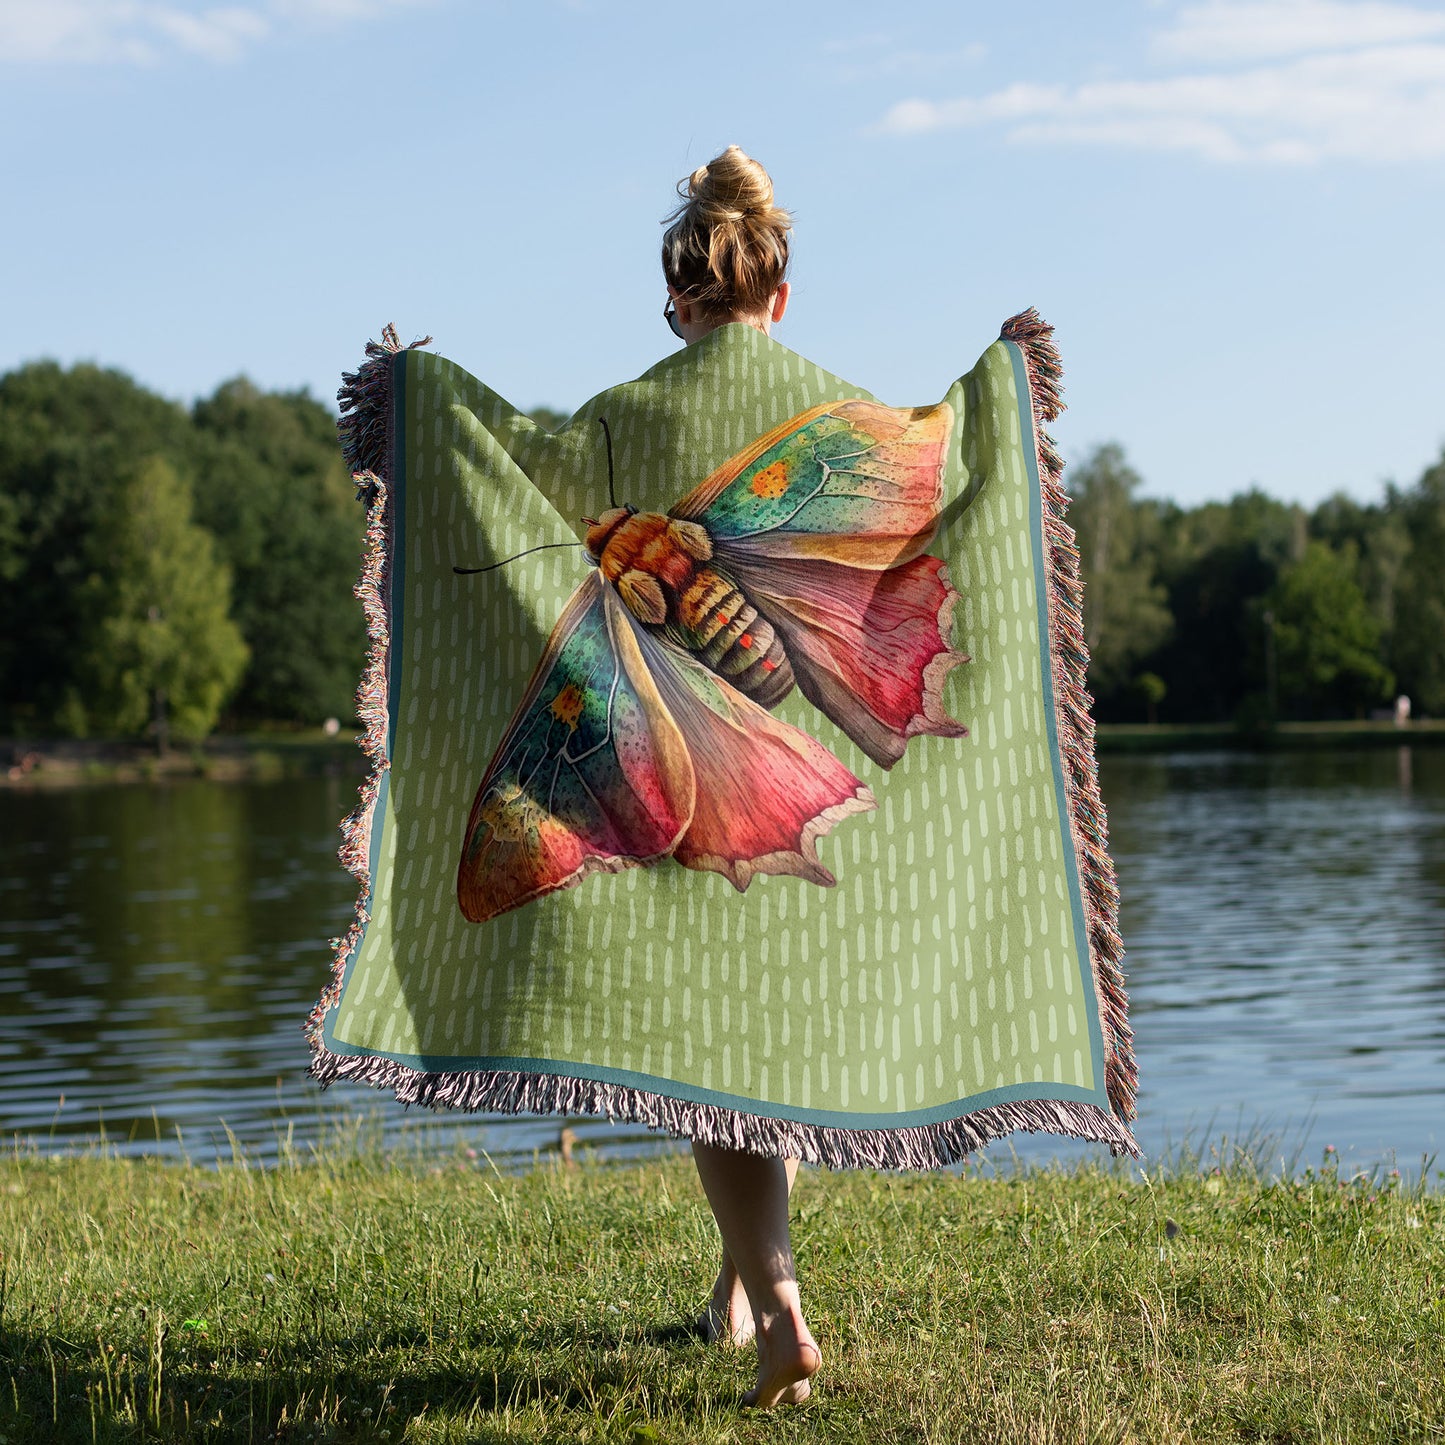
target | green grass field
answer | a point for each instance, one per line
(365, 1298)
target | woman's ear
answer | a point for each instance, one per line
(780, 300)
(682, 307)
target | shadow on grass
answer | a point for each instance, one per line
(357, 1388)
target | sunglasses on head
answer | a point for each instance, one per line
(669, 315)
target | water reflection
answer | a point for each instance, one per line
(159, 950)
(1285, 914)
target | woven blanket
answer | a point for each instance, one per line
(733, 770)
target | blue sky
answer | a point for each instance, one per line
(1231, 209)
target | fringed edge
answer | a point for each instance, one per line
(366, 406)
(365, 431)
(922, 1146)
(1073, 703)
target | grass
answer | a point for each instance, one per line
(366, 1298)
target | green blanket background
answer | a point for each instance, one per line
(959, 981)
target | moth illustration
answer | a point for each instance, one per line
(645, 731)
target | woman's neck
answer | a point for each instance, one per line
(696, 330)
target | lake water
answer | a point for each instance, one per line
(1285, 917)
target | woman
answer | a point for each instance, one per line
(718, 620)
(725, 257)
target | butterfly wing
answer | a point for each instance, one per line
(852, 480)
(766, 791)
(869, 649)
(592, 774)
(823, 523)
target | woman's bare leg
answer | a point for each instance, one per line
(728, 1318)
(749, 1199)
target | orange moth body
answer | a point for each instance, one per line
(659, 566)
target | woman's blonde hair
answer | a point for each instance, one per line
(726, 246)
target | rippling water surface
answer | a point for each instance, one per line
(1285, 916)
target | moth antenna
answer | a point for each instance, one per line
(607, 436)
(470, 571)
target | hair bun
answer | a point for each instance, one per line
(732, 182)
(726, 246)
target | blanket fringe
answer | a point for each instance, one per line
(1034, 338)
(924, 1146)
(365, 404)
(365, 431)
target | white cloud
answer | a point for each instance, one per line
(144, 32)
(333, 10)
(869, 56)
(1243, 30)
(1361, 82)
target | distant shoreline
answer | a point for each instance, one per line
(44, 763)
(36, 764)
(1285, 738)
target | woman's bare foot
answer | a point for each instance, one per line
(788, 1358)
(728, 1318)
(749, 1198)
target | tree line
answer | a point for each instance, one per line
(165, 569)
(1255, 610)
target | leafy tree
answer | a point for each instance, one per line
(1327, 642)
(1218, 561)
(1153, 689)
(1418, 644)
(164, 653)
(1379, 537)
(269, 484)
(550, 417)
(1340, 520)
(65, 437)
(1125, 612)
(274, 491)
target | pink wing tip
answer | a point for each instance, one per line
(803, 862)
